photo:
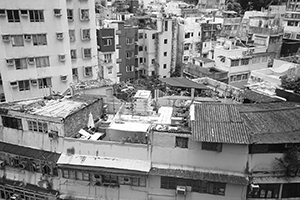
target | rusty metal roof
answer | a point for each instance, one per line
(198, 175)
(219, 123)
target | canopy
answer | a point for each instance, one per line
(182, 82)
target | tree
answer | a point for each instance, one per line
(234, 5)
(291, 83)
(291, 161)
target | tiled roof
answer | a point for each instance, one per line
(219, 123)
(273, 126)
(258, 98)
(197, 175)
(29, 152)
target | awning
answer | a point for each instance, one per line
(105, 162)
(28, 152)
(182, 82)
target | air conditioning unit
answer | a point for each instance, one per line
(14, 84)
(6, 38)
(127, 180)
(181, 190)
(62, 57)
(60, 36)
(10, 62)
(30, 60)
(57, 12)
(33, 82)
(118, 32)
(53, 134)
(24, 13)
(27, 37)
(64, 78)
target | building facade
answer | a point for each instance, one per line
(39, 54)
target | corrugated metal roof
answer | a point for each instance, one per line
(105, 162)
(273, 126)
(29, 152)
(198, 175)
(219, 123)
(182, 82)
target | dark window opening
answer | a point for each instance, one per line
(11, 122)
(210, 146)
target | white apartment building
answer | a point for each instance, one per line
(157, 47)
(239, 60)
(44, 45)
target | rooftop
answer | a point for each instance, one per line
(182, 82)
(205, 60)
(105, 162)
(54, 107)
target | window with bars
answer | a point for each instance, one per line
(41, 127)
(86, 34)
(36, 15)
(24, 85)
(13, 15)
(84, 14)
(21, 63)
(42, 61)
(88, 71)
(44, 83)
(39, 39)
(87, 53)
(17, 40)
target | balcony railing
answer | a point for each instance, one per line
(266, 31)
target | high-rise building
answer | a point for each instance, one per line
(44, 45)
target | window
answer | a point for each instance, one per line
(145, 35)
(265, 191)
(21, 63)
(129, 68)
(165, 54)
(39, 39)
(75, 72)
(166, 25)
(153, 36)
(109, 69)
(245, 62)
(42, 61)
(141, 60)
(140, 35)
(17, 40)
(107, 42)
(85, 176)
(12, 122)
(86, 34)
(199, 186)
(145, 60)
(84, 14)
(235, 63)
(36, 15)
(129, 40)
(210, 146)
(298, 36)
(255, 60)
(188, 35)
(152, 61)
(72, 35)
(24, 85)
(129, 54)
(165, 41)
(141, 48)
(186, 46)
(107, 57)
(290, 190)
(264, 59)
(13, 15)
(165, 66)
(44, 83)
(86, 53)
(238, 77)
(181, 142)
(88, 71)
(41, 127)
(70, 15)
(73, 54)
(145, 48)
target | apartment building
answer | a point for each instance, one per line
(239, 59)
(44, 45)
(157, 45)
(32, 139)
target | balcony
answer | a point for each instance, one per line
(266, 31)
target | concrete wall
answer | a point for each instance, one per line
(165, 152)
(108, 149)
(79, 119)
(233, 192)
(264, 162)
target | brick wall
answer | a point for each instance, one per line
(79, 119)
